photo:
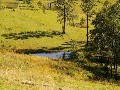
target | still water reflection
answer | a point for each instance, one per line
(59, 55)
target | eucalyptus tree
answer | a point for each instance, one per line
(87, 6)
(65, 12)
(105, 36)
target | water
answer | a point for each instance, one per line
(55, 55)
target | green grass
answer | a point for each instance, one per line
(26, 20)
(21, 72)
(27, 72)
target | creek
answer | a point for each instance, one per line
(55, 55)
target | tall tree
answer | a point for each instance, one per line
(105, 36)
(65, 12)
(87, 6)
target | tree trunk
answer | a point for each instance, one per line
(115, 51)
(50, 5)
(115, 62)
(18, 4)
(111, 67)
(63, 32)
(116, 67)
(87, 29)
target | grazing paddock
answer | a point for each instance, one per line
(30, 31)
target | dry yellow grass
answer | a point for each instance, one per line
(21, 72)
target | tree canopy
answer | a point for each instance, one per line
(105, 36)
(65, 12)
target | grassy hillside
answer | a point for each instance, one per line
(23, 72)
(19, 26)
(34, 30)
(22, 22)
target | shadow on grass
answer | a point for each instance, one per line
(62, 47)
(31, 51)
(41, 50)
(92, 65)
(97, 71)
(95, 65)
(31, 34)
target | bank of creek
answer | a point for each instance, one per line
(51, 54)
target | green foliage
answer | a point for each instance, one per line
(75, 46)
(87, 5)
(69, 10)
(105, 36)
(82, 21)
(65, 12)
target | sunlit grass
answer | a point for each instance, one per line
(26, 72)
(40, 73)
(26, 20)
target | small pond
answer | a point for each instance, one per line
(55, 55)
